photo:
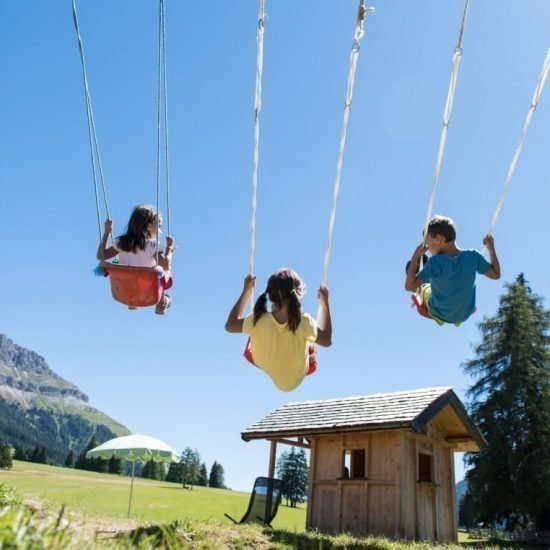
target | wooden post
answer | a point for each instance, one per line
(272, 459)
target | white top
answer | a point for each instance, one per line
(140, 258)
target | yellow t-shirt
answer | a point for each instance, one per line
(278, 351)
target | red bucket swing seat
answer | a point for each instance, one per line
(136, 286)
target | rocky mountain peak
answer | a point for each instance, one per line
(15, 356)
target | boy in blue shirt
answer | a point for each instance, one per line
(445, 287)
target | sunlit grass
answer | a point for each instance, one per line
(103, 494)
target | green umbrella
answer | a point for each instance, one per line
(132, 448)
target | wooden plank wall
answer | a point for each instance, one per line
(408, 503)
(389, 501)
(383, 467)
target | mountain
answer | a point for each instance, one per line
(39, 408)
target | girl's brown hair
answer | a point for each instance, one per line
(137, 232)
(283, 287)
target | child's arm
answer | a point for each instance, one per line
(412, 282)
(324, 334)
(494, 271)
(105, 252)
(234, 322)
(165, 260)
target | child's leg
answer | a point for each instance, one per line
(164, 303)
(421, 299)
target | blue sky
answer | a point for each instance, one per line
(181, 377)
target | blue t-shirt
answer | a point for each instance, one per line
(453, 283)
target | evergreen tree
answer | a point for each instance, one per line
(42, 455)
(187, 461)
(510, 403)
(193, 467)
(293, 471)
(69, 461)
(19, 454)
(174, 472)
(114, 466)
(5, 455)
(84, 463)
(154, 470)
(202, 478)
(34, 455)
(216, 478)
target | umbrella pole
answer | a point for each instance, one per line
(131, 488)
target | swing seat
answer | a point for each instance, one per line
(312, 359)
(136, 286)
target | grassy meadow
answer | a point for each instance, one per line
(49, 507)
(96, 494)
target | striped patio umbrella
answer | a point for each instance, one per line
(131, 448)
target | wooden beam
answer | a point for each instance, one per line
(459, 439)
(272, 458)
(298, 443)
(436, 442)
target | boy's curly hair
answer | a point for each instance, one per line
(441, 225)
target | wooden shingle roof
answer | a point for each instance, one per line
(404, 409)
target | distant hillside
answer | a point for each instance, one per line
(39, 408)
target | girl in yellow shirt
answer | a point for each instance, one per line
(280, 338)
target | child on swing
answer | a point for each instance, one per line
(138, 247)
(445, 289)
(281, 338)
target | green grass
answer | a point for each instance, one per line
(65, 508)
(153, 501)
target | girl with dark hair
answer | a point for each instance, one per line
(138, 247)
(281, 338)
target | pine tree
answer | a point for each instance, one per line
(188, 465)
(202, 478)
(293, 471)
(216, 478)
(510, 403)
(114, 465)
(84, 463)
(69, 461)
(5, 455)
(174, 472)
(154, 470)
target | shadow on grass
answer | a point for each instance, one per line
(313, 540)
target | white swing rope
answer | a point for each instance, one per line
(354, 56)
(534, 102)
(97, 168)
(162, 123)
(255, 158)
(457, 56)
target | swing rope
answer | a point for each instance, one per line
(255, 158)
(534, 102)
(354, 56)
(162, 121)
(97, 167)
(457, 56)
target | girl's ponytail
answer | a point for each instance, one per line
(294, 311)
(260, 307)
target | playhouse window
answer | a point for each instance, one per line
(425, 467)
(354, 464)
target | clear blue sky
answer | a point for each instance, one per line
(181, 377)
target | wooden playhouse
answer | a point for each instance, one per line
(379, 464)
